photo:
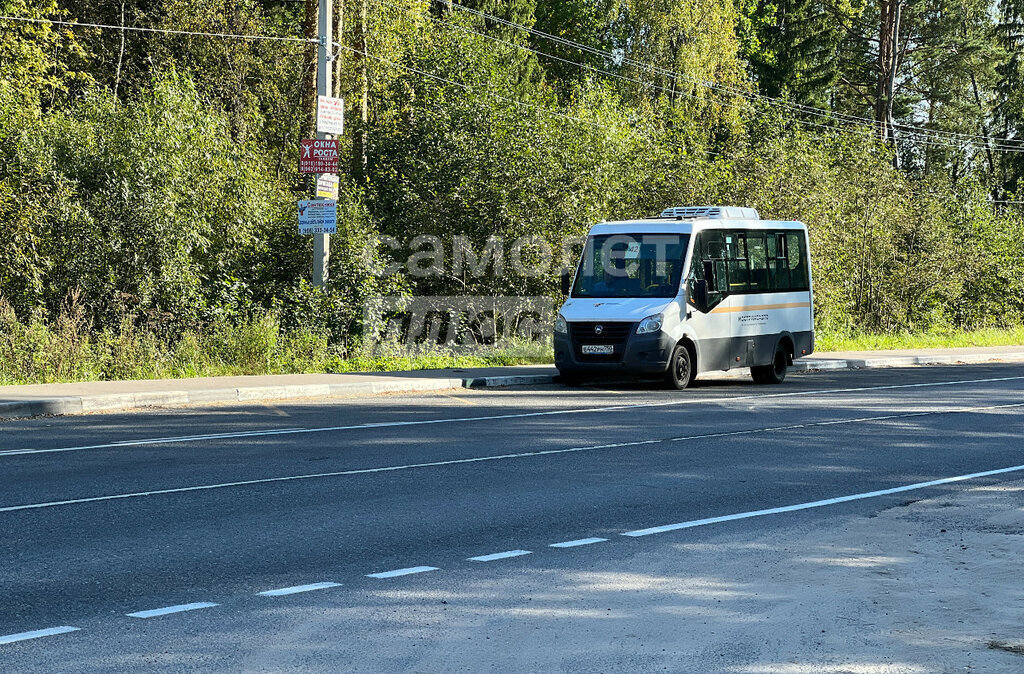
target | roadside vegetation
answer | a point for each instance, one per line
(67, 348)
(148, 181)
(922, 340)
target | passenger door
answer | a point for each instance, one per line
(712, 328)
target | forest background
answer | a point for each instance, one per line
(148, 180)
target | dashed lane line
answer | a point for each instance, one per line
(36, 634)
(499, 555)
(578, 542)
(402, 572)
(23, 636)
(167, 610)
(499, 457)
(498, 417)
(296, 589)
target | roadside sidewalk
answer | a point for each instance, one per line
(58, 399)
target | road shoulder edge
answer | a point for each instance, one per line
(71, 405)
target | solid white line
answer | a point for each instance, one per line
(498, 417)
(298, 588)
(35, 634)
(402, 572)
(819, 504)
(499, 555)
(154, 441)
(497, 457)
(577, 543)
(180, 608)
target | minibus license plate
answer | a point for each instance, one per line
(598, 349)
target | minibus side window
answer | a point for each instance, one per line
(797, 254)
(778, 261)
(758, 262)
(736, 262)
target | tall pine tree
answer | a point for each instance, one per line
(1010, 92)
(792, 48)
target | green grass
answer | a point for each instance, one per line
(927, 340)
(509, 353)
(67, 349)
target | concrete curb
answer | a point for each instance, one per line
(68, 405)
(811, 364)
(65, 405)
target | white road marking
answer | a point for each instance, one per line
(402, 572)
(497, 457)
(821, 503)
(298, 588)
(498, 417)
(154, 441)
(35, 634)
(577, 543)
(180, 608)
(499, 555)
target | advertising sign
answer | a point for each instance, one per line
(318, 216)
(318, 156)
(327, 186)
(330, 115)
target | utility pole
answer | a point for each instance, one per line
(322, 242)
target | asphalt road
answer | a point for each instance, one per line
(105, 516)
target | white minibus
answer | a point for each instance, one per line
(697, 289)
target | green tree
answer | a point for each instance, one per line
(792, 47)
(36, 59)
(1009, 106)
(147, 206)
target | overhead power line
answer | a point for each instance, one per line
(939, 143)
(513, 101)
(74, 24)
(167, 31)
(1001, 144)
(565, 41)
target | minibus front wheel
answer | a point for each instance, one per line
(682, 367)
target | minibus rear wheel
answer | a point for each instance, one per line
(774, 373)
(681, 369)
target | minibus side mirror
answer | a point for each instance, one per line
(566, 281)
(709, 276)
(700, 294)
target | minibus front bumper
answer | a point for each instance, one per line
(635, 355)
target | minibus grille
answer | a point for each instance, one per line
(611, 333)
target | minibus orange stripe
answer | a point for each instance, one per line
(761, 307)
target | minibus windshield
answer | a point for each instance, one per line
(631, 265)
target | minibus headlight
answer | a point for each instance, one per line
(649, 325)
(560, 325)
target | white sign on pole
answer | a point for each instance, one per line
(327, 186)
(330, 115)
(318, 216)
